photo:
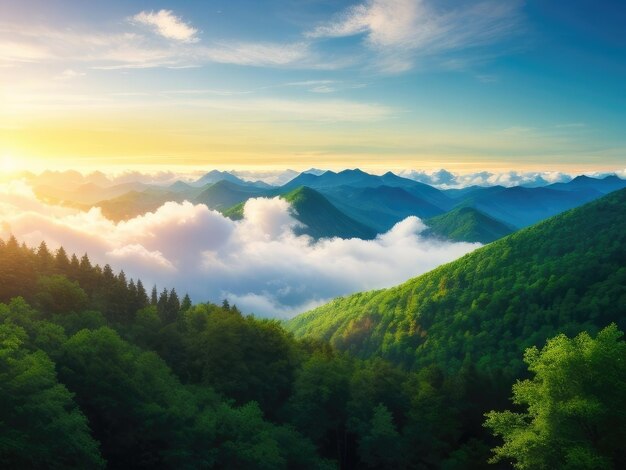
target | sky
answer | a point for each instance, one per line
(376, 84)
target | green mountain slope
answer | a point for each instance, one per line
(380, 207)
(466, 224)
(320, 217)
(565, 274)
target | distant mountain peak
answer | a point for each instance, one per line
(314, 171)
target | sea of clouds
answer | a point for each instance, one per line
(257, 263)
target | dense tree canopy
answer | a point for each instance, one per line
(95, 372)
(574, 406)
(566, 274)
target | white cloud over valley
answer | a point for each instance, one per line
(258, 262)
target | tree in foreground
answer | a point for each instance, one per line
(40, 424)
(575, 406)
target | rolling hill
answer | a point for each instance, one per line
(603, 185)
(566, 274)
(521, 207)
(320, 218)
(466, 224)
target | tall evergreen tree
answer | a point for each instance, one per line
(45, 260)
(186, 303)
(142, 297)
(62, 262)
(162, 304)
(154, 296)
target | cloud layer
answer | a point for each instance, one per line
(445, 179)
(167, 24)
(258, 263)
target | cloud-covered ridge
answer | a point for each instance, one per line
(258, 262)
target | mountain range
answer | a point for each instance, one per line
(353, 203)
(565, 274)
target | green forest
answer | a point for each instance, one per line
(510, 356)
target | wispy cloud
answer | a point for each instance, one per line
(315, 86)
(134, 49)
(167, 24)
(445, 179)
(258, 54)
(400, 30)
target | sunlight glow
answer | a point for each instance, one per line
(7, 164)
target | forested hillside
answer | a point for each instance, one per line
(467, 224)
(96, 372)
(566, 274)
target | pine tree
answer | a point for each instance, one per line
(45, 260)
(185, 304)
(154, 296)
(121, 278)
(74, 270)
(142, 297)
(62, 262)
(162, 304)
(173, 307)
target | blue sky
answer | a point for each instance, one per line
(378, 83)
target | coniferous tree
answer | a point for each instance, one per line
(133, 300)
(142, 297)
(162, 304)
(173, 307)
(186, 303)
(121, 277)
(74, 269)
(154, 296)
(62, 262)
(45, 260)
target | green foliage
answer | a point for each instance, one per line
(241, 357)
(321, 218)
(574, 406)
(162, 383)
(57, 294)
(380, 446)
(40, 424)
(566, 274)
(466, 224)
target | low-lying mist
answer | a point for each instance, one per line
(257, 263)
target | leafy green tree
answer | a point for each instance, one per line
(138, 409)
(40, 425)
(57, 294)
(380, 447)
(575, 406)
